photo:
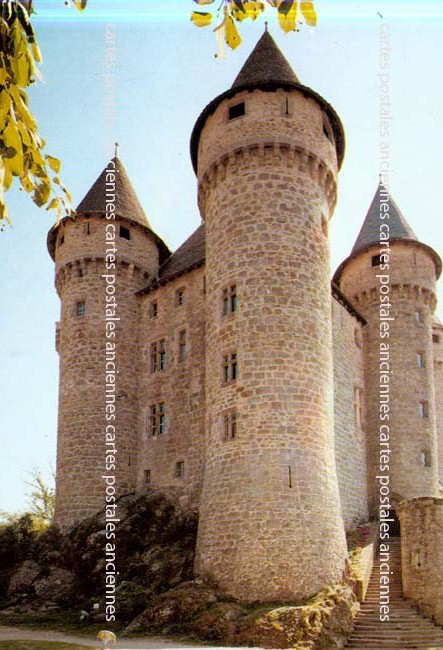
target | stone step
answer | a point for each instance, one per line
(406, 628)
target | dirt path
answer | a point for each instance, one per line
(151, 643)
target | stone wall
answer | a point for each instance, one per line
(407, 364)
(437, 345)
(270, 525)
(421, 522)
(94, 442)
(349, 423)
(179, 386)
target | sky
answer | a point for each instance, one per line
(166, 73)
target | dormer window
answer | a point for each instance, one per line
(237, 110)
(125, 233)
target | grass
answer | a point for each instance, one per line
(41, 645)
(67, 622)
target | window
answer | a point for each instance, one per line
(153, 309)
(147, 476)
(230, 367)
(87, 228)
(230, 425)
(237, 110)
(376, 260)
(435, 338)
(182, 349)
(358, 407)
(157, 419)
(80, 308)
(230, 300)
(423, 408)
(180, 297)
(125, 233)
(421, 360)
(158, 356)
(180, 468)
(419, 317)
(425, 458)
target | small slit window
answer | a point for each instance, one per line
(237, 110)
(435, 338)
(147, 475)
(80, 308)
(425, 458)
(421, 360)
(419, 317)
(124, 232)
(423, 408)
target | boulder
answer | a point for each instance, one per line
(57, 587)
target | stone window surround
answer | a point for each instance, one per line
(230, 424)
(230, 367)
(80, 308)
(179, 470)
(157, 419)
(158, 356)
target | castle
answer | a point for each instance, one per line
(229, 370)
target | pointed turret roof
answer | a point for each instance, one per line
(126, 201)
(265, 64)
(370, 230)
(399, 230)
(267, 69)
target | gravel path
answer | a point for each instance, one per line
(151, 643)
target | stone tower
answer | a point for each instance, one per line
(266, 153)
(102, 257)
(390, 277)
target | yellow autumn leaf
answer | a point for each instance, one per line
(232, 37)
(41, 194)
(288, 15)
(80, 4)
(54, 204)
(253, 9)
(36, 52)
(237, 10)
(12, 139)
(201, 19)
(204, 2)
(308, 11)
(26, 183)
(54, 163)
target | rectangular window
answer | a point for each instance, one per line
(147, 476)
(87, 228)
(180, 468)
(435, 338)
(237, 110)
(424, 409)
(230, 369)
(419, 317)
(230, 300)
(421, 360)
(157, 419)
(158, 356)
(124, 232)
(153, 309)
(182, 349)
(376, 260)
(80, 308)
(230, 425)
(180, 297)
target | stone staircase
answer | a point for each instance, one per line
(405, 629)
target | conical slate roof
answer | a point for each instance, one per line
(125, 201)
(267, 69)
(370, 230)
(265, 64)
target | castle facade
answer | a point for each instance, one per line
(231, 370)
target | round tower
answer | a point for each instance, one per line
(390, 277)
(266, 153)
(102, 258)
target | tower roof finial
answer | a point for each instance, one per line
(116, 150)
